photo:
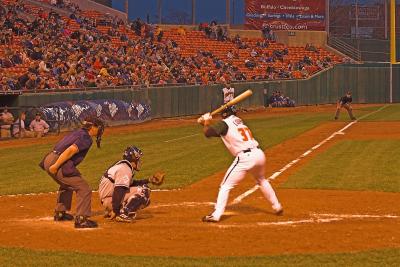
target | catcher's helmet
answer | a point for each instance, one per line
(228, 111)
(132, 154)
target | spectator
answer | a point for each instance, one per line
(277, 99)
(311, 47)
(38, 126)
(250, 63)
(267, 32)
(18, 128)
(181, 31)
(6, 120)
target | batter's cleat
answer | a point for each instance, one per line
(84, 222)
(60, 216)
(124, 218)
(279, 212)
(336, 118)
(107, 214)
(209, 218)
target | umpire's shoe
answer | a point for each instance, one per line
(62, 216)
(84, 222)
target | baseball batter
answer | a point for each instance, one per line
(240, 142)
(120, 194)
(345, 102)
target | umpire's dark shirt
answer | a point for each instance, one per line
(83, 141)
(345, 99)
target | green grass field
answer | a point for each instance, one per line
(352, 165)
(185, 160)
(25, 257)
(348, 165)
(389, 113)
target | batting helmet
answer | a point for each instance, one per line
(228, 111)
(132, 154)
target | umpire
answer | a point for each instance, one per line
(345, 102)
(61, 164)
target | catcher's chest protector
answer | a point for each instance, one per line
(110, 176)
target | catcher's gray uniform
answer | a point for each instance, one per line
(121, 174)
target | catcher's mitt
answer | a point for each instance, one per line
(157, 178)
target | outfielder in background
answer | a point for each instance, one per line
(249, 158)
(345, 102)
(119, 193)
(61, 165)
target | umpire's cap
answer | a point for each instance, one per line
(94, 121)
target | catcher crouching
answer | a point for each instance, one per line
(120, 194)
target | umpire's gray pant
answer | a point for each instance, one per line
(67, 186)
(348, 108)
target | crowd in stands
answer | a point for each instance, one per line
(65, 4)
(52, 51)
(278, 99)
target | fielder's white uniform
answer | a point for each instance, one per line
(248, 158)
(228, 94)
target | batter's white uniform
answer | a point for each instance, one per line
(228, 94)
(248, 158)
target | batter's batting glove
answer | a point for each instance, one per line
(204, 117)
(207, 116)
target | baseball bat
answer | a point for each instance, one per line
(234, 101)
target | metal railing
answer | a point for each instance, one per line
(345, 48)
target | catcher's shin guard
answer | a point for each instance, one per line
(138, 201)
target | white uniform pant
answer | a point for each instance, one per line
(252, 162)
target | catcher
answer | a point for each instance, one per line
(120, 194)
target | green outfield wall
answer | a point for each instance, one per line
(370, 83)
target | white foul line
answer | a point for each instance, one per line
(315, 218)
(182, 204)
(180, 138)
(290, 164)
(93, 191)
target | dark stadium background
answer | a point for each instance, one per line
(206, 10)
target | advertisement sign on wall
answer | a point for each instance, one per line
(286, 14)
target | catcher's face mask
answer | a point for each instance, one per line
(133, 154)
